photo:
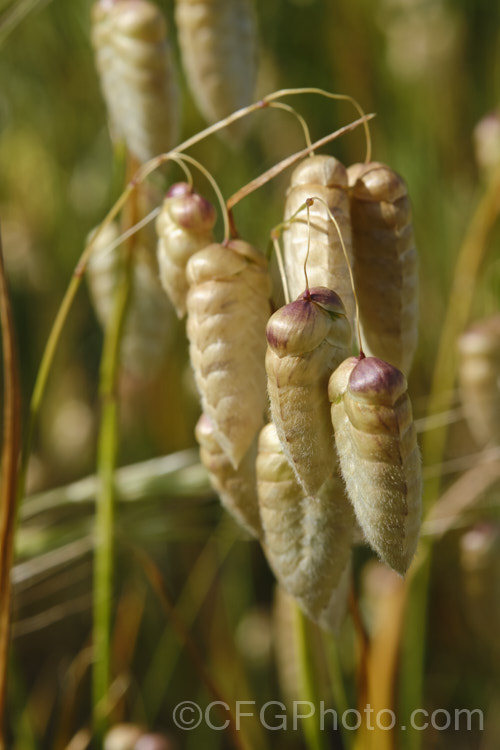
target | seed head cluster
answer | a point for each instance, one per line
(305, 441)
(339, 452)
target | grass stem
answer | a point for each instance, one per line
(105, 506)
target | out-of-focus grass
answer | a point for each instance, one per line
(429, 69)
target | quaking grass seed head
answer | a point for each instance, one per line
(385, 262)
(307, 339)
(322, 178)
(189, 209)
(218, 44)
(307, 540)
(184, 226)
(137, 75)
(379, 457)
(302, 325)
(228, 308)
(237, 488)
(479, 379)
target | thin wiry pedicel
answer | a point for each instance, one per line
(228, 308)
(184, 226)
(137, 75)
(307, 539)
(385, 262)
(321, 177)
(218, 42)
(479, 378)
(379, 457)
(150, 320)
(307, 339)
(237, 488)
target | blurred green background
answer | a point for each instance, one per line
(430, 70)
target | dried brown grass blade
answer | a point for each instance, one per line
(382, 665)
(10, 456)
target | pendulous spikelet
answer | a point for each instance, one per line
(321, 177)
(379, 457)
(385, 262)
(307, 539)
(237, 488)
(150, 321)
(184, 226)
(137, 74)
(218, 43)
(228, 308)
(307, 339)
(479, 378)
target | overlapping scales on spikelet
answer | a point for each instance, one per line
(218, 42)
(385, 262)
(379, 457)
(184, 226)
(321, 177)
(307, 339)
(228, 307)
(237, 488)
(137, 75)
(307, 539)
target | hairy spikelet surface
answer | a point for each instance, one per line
(479, 377)
(184, 226)
(307, 339)
(137, 75)
(150, 321)
(237, 488)
(307, 539)
(228, 307)
(218, 43)
(321, 177)
(379, 457)
(385, 262)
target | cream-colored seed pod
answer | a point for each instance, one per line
(307, 539)
(150, 321)
(379, 457)
(218, 43)
(184, 226)
(307, 339)
(123, 737)
(321, 177)
(385, 262)
(137, 74)
(237, 488)
(228, 308)
(479, 377)
(486, 142)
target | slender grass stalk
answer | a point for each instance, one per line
(105, 507)
(188, 605)
(156, 581)
(337, 685)
(315, 738)
(254, 733)
(23, 726)
(11, 442)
